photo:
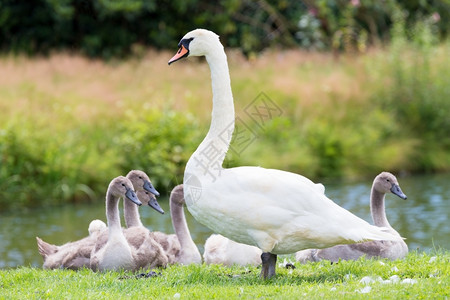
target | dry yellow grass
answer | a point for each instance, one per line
(88, 89)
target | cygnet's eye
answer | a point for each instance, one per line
(123, 184)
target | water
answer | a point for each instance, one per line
(422, 219)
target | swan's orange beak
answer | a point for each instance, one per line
(182, 52)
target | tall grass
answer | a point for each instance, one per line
(419, 94)
(69, 124)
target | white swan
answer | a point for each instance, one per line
(276, 211)
(117, 253)
(221, 250)
(383, 183)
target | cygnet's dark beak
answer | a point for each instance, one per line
(155, 205)
(396, 190)
(150, 188)
(131, 195)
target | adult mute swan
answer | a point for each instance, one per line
(382, 184)
(279, 212)
(117, 253)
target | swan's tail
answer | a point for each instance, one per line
(356, 230)
(374, 233)
(45, 249)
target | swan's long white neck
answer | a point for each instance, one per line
(112, 214)
(377, 209)
(213, 149)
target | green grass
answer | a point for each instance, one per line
(430, 272)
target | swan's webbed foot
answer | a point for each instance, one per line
(269, 261)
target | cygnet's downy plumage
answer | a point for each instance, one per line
(394, 249)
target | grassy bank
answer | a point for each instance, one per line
(69, 124)
(418, 276)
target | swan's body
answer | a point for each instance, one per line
(277, 211)
(395, 249)
(72, 255)
(277, 221)
(117, 253)
(221, 250)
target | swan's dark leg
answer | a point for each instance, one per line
(269, 262)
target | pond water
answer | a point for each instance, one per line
(422, 218)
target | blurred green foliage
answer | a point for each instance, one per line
(402, 124)
(38, 170)
(419, 96)
(160, 143)
(104, 28)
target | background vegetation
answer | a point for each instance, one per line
(116, 28)
(69, 124)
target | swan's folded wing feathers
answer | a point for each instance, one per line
(278, 199)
